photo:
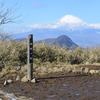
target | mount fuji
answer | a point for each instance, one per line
(70, 19)
(80, 32)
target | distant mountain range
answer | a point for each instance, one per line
(82, 33)
(62, 40)
(83, 38)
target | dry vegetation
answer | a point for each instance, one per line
(13, 54)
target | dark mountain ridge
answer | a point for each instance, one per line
(62, 40)
(82, 37)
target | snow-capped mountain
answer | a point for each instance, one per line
(69, 19)
(71, 22)
(65, 22)
(82, 33)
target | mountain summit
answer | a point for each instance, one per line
(70, 19)
(70, 22)
(65, 22)
(65, 40)
(62, 40)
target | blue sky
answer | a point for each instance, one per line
(40, 11)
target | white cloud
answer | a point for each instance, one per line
(43, 25)
(95, 25)
(66, 22)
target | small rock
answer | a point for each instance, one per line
(97, 72)
(33, 80)
(17, 78)
(86, 70)
(50, 70)
(92, 72)
(68, 69)
(62, 69)
(9, 81)
(5, 83)
(55, 69)
(24, 79)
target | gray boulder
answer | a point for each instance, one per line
(24, 79)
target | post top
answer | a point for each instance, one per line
(30, 36)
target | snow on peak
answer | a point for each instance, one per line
(70, 19)
(65, 22)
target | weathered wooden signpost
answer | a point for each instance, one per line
(30, 57)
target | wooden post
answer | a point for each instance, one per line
(30, 57)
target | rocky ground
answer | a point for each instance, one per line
(60, 85)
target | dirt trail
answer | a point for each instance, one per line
(58, 86)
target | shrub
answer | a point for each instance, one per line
(15, 54)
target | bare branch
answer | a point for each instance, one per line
(7, 15)
(4, 36)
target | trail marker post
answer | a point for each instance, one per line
(30, 57)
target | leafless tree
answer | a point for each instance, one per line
(7, 15)
(4, 36)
